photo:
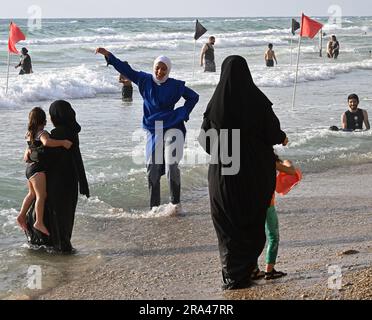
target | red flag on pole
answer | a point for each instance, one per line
(309, 27)
(15, 35)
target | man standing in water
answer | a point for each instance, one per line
(333, 47)
(25, 63)
(127, 90)
(207, 54)
(354, 118)
(270, 56)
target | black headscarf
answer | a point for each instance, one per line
(236, 96)
(62, 114)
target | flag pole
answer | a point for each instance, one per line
(291, 47)
(7, 76)
(321, 43)
(295, 84)
(193, 65)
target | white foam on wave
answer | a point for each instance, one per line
(324, 140)
(111, 36)
(119, 213)
(69, 83)
(8, 218)
(84, 82)
(106, 211)
(105, 30)
(284, 76)
(341, 29)
(228, 42)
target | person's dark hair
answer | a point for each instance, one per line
(270, 45)
(353, 96)
(24, 50)
(36, 118)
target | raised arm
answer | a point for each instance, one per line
(120, 66)
(51, 143)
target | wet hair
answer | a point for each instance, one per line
(353, 96)
(270, 45)
(36, 118)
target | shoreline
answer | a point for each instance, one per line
(176, 258)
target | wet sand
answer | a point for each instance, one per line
(326, 221)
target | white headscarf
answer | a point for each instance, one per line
(168, 63)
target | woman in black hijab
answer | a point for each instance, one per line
(65, 172)
(239, 201)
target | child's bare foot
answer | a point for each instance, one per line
(41, 228)
(21, 220)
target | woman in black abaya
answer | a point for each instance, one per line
(65, 173)
(239, 201)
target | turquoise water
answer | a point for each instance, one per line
(65, 67)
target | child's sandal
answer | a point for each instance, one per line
(274, 274)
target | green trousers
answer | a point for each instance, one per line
(272, 235)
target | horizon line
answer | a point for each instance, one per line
(179, 17)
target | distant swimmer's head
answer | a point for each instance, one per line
(334, 128)
(24, 51)
(353, 101)
(162, 68)
(270, 45)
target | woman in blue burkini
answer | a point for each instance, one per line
(164, 148)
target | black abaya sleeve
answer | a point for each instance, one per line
(83, 182)
(273, 135)
(205, 143)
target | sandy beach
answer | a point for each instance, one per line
(323, 222)
(122, 253)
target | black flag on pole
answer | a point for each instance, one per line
(295, 26)
(199, 30)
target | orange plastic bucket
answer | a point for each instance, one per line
(285, 182)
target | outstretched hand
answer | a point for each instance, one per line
(102, 51)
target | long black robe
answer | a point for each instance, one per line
(239, 202)
(65, 173)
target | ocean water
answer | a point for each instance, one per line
(65, 67)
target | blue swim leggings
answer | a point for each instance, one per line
(272, 235)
